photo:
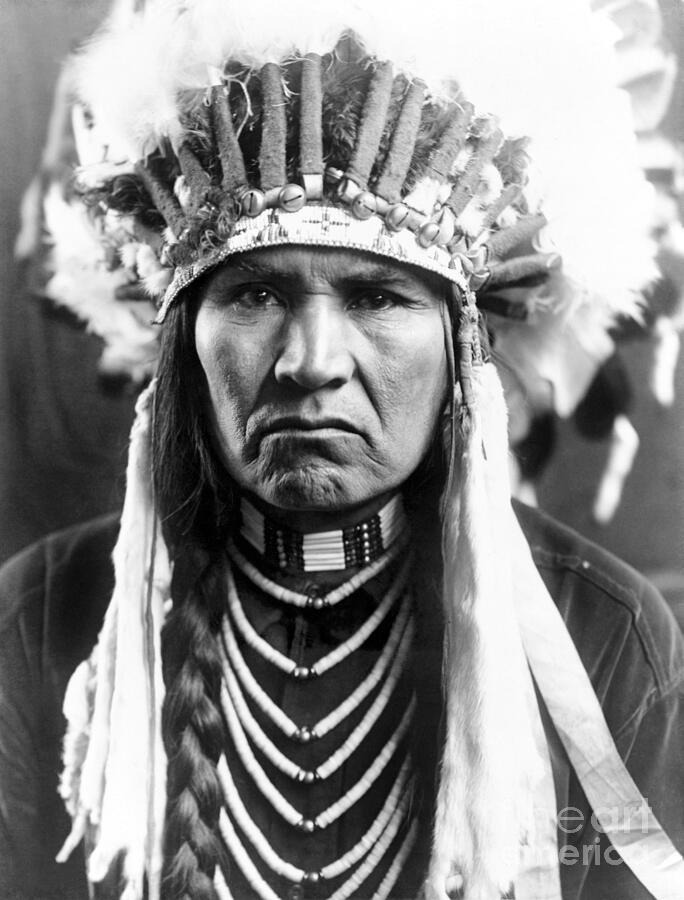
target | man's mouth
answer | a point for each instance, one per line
(317, 427)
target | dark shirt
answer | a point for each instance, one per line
(52, 601)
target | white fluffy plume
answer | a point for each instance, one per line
(85, 284)
(546, 69)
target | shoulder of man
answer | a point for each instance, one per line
(55, 593)
(625, 633)
(53, 596)
(633, 651)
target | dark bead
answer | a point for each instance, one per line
(312, 596)
(306, 777)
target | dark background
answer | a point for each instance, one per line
(63, 441)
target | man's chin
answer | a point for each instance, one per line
(311, 487)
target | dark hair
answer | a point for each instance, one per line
(193, 731)
(193, 498)
(193, 491)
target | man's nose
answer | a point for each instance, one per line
(315, 351)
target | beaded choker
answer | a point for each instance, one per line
(321, 551)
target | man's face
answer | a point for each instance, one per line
(326, 371)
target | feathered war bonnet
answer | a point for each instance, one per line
(227, 127)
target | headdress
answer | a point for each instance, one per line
(226, 128)
(429, 180)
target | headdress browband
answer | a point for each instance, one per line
(425, 181)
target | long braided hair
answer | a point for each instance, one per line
(193, 503)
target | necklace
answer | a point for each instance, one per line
(235, 822)
(345, 548)
(380, 834)
(251, 873)
(274, 796)
(312, 599)
(336, 656)
(234, 663)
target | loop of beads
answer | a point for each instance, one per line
(365, 855)
(336, 656)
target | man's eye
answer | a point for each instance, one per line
(253, 298)
(375, 301)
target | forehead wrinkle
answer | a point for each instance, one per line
(335, 266)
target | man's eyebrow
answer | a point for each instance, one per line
(379, 272)
(258, 269)
(249, 266)
(399, 277)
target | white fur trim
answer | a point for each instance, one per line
(123, 781)
(77, 709)
(155, 277)
(490, 765)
